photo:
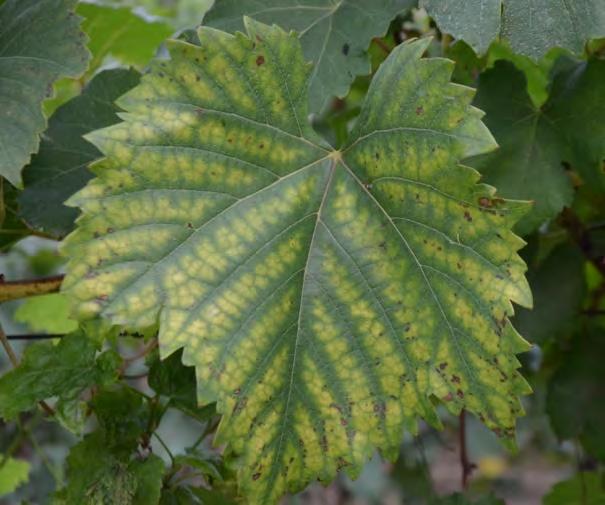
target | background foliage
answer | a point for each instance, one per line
(90, 414)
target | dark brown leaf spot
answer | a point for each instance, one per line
(345, 49)
(260, 60)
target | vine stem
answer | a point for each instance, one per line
(466, 465)
(13, 290)
(15, 362)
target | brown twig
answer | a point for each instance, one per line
(13, 290)
(35, 336)
(15, 362)
(580, 234)
(467, 466)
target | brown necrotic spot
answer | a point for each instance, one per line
(260, 60)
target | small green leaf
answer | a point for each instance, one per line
(120, 33)
(40, 41)
(48, 370)
(13, 473)
(324, 297)
(531, 28)
(576, 393)
(46, 313)
(334, 35)
(586, 488)
(60, 168)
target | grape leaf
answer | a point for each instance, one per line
(46, 313)
(40, 41)
(96, 475)
(539, 144)
(576, 393)
(121, 33)
(334, 35)
(61, 370)
(577, 106)
(324, 296)
(60, 168)
(13, 473)
(586, 488)
(558, 286)
(531, 28)
(12, 227)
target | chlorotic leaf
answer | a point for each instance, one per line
(323, 296)
(60, 168)
(13, 473)
(48, 370)
(39, 42)
(121, 33)
(586, 488)
(531, 28)
(528, 164)
(46, 313)
(334, 35)
(576, 396)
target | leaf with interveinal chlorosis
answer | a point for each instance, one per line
(63, 370)
(40, 41)
(531, 28)
(334, 35)
(323, 296)
(13, 473)
(537, 145)
(60, 167)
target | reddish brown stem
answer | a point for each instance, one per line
(13, 290)
(466, 465)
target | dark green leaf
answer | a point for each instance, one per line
(60, 168)
(583, 489)
(528, 165)
(576, 393)
(558, 287)
(40, 40)
(63, 370)
(97, 476)
(532, 28)
(334, 35)
(173, 379)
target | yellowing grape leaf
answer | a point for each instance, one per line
(323, 296)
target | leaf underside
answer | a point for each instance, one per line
(323, 296)
(531, 28)
(334, 35)
(40, 41)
